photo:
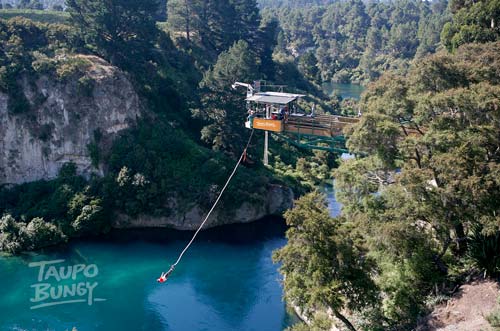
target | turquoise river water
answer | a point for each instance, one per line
(345, 90)
(227, 281)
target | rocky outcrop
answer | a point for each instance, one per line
(468, 309)
(279, 199)
(63, 121)
(303, 317)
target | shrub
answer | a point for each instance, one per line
(87, 214)
(10, 241)
(43, 64)
(38, 234)
(67, 206)
(494, 318)
(18, 236)
(484, 250)
(70, 66)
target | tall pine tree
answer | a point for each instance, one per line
(184, 15)
(223, 108)
(247, 19)
(121, 31)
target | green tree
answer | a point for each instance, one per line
(87, 214)
(39, 233)
(429, 175)
(308, 65)
(264, 47)
(473, 21)
(430, 25)
(221, 107)
(324, 269)
(10, 239)
(358, 41)
(18, 236)
(217, 32)
(216, 25)
(247, 20)
(121, 31)
(184, 15)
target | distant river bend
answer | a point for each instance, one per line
(344, 90)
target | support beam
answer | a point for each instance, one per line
(266, 138)
(334, 144)
(266, 148)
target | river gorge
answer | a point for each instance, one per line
(226, 282)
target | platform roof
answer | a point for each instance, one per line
(278, 98)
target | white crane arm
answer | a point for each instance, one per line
(248, 86)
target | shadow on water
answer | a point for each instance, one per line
(267, 228)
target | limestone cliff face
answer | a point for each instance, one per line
(278, 200)
(62, 123)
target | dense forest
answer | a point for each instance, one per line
(420, 209)
(292, 3)
(357, 41)
(420, 198)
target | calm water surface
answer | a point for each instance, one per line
(333, 205)
(344, 90)
(226, 282)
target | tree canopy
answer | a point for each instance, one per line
(117, 30)
(420, 202)
(214, 25)
(430, 179)
(220, 105)
(473, 21)
(357, 41)
(324, 268)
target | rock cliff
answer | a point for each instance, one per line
(278, 200)
(63, 122)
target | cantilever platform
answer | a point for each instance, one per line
(322, 125)
(323, 132)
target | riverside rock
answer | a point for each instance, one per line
(62, 122)
(279, 199)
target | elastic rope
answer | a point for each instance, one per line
(215, 204)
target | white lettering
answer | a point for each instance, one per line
(41, 293)
(52, 272)
(87, 272)
(42, 265)
(47, 294)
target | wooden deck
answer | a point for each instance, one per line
(322, 125)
